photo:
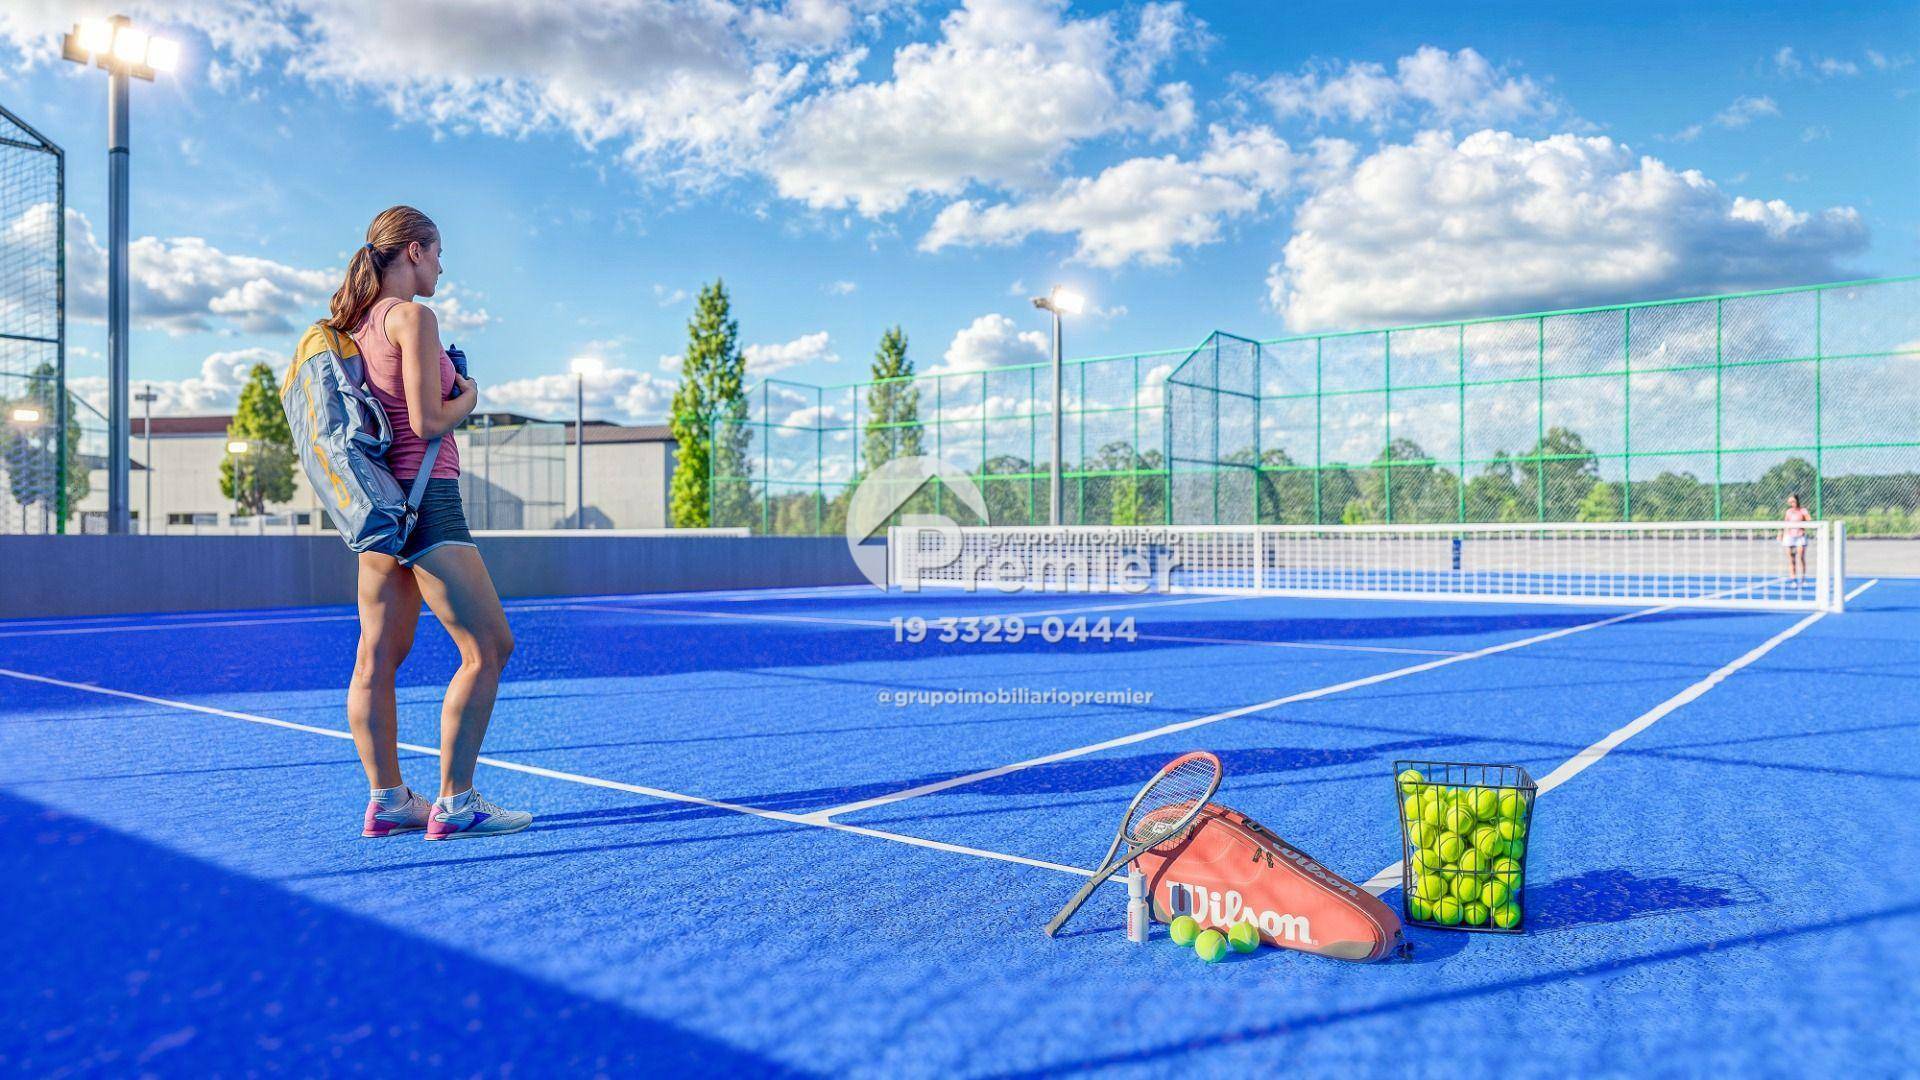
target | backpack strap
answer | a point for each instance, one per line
(419, 489)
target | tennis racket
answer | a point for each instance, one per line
(1160, 813)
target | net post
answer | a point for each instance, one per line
(1837, 559)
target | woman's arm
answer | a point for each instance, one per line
(414, 329)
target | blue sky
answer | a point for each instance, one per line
(846, 165)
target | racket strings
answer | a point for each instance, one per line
(1174, 799)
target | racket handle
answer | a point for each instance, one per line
(1079, 898)
(1139, 910)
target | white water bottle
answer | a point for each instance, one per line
(1139, 911)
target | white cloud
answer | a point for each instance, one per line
(619, 394)
(842, 288)
(1499, 222)
(1830, 67)
(1815, 133)
(1431, 86)
(669, 297)
(765, 360)
(803, 25)
(213, 392)
(1143, 209)
(1009, 88)
(1786, 62)
(1744, 111)
(993, 341)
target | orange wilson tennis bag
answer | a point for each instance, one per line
(1229, 869)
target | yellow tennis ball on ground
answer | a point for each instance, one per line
(1211, 945)
(1486, 803)
(1507, 915)
(1448, 912)
(1474, 913)
(1183, 930)
(1450, 846)
(1459, 819)
(1244, 937)
(1465, 887)
(1419, 909)
(1494, 893)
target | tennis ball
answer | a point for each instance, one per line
(1488, 842)
(1450, 846)
(1448, 912)
(1475, 913)
(1507, 915)
(1431, 812)
(1494, 893)
(1510, 830)
(1211, 945)
(1410, 808)
(1244, 937)
(1426, 859)
(1430, 887)
(1465, 887)
(1471, 862)
(1419, 909)
(1459, 819)
(1183, 930)
(1419, 834)
(1513, 806)
(1516, 849)
(1410, 780)
(1507, 870)
(1486, 803)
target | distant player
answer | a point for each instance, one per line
(425, 397)
(1795, 541)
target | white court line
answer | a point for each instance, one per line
(556, 774)
(888, 623)
(1389, 877)
(1186, 725)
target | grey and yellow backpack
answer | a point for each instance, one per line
(342, 435)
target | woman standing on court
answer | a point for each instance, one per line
(1795, 540)
(424, 398)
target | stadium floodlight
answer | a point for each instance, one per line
(25, 414)
(126, 52)
(238, 446)
(587, 365)
(1061, 301)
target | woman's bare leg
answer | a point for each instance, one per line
(456, 585)
(389, 611)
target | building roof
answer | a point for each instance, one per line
(183, 425)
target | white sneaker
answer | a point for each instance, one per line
(478, 818)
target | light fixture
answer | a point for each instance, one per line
(238, 446)
(130, 45)
(24, 414)
(1068, 302)
(588, 365)
(163, 54)
(94, 36)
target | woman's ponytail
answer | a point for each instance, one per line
(390, 233)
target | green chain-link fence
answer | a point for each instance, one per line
(1700, 409)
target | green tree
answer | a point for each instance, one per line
(1602, 503)
(1494, 496)
(709, 419)
(1570, 469)
(893, 403)
(1672, 496)
(29, 453)
(1767, 497)
(1285, 491)
(1403, 480)
(264, 474)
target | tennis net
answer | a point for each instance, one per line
(1729, 564)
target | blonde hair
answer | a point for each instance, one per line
(390, 233)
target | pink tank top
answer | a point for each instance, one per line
(382, 357)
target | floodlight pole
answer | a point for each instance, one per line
(1054, 500)
(146, 397)
(118, 426)
(580, 449)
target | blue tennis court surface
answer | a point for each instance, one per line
(771, 839)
